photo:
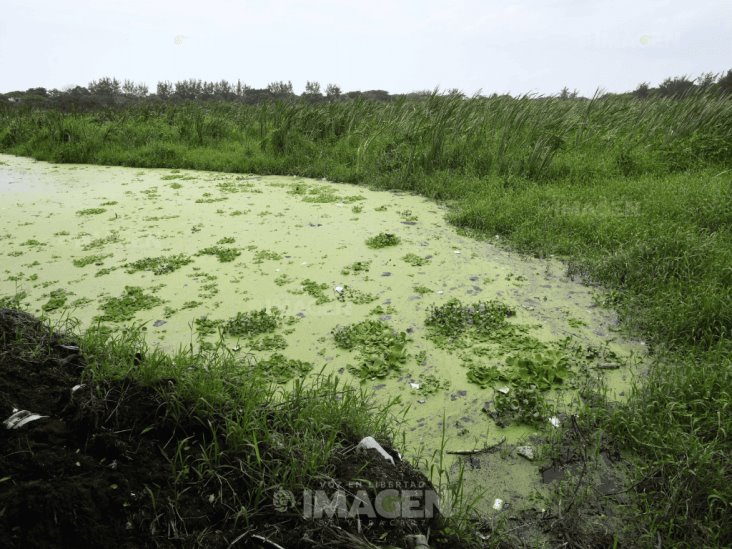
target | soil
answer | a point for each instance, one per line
(96, 471)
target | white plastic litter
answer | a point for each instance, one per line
(339, 289)
(554, 420)
(414, 385)
(526, 452)
(498, 504)
(77, 387)
(456, 251)
(504, 390)
(20, 418)
(370, 443)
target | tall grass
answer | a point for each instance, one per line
(635, 194)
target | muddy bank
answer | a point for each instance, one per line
(95, 470)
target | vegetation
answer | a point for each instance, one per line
(633, 190)
(382, 240)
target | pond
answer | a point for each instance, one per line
(302, 276)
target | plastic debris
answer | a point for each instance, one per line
(456, 251)
(69, 347)
(339, 289)
(526, 452)
(421, 401)
(554, 420)
(498, 504)
(504, 390)
(77, 387)
(414, 385)
(369, 443)
(20, 418)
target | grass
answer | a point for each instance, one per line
(634, 195)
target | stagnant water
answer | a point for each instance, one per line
(288, 230)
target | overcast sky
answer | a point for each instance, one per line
(400, 46)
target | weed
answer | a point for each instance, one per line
(89, 259)
(56, 300)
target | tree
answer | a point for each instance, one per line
(312, 88)
(332, 91)
(676, 87)
(643, 91)
(105, 86)
(164, 89)
(134, 90)
(280, 88)
(725, 83)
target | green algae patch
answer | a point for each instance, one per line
(159, 265)
(123, 308)
(315, 290)
(383, 240)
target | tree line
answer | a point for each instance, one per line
(109, 91)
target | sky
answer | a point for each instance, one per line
(521, 46)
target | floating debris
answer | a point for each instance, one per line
(526, 452)
(369, 443)
(414, 385)
(21, 418)
(498, 504)
(554, 420)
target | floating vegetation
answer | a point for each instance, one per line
(224, 255)
(430, 385)
(273, 342)
(524, 403)
(206, 326)
(101, 242)
(421, 290)
(357, 209)
(105, 271)
(91, 211)
(283, 369)
(57, 299)
(283, 279)
(253, 323)
(110, 203)
(383, 240)
(32, 243)
(89, 259)
(408, 216)
(543, 369)
(357, 267)
(134, 299)
(415, 260)
(485, 376)
(226, 240)
(266, 255)
(13, 301)
(159, 265)
(175, 185)
(356, 297)
(449, 322)
(381, 349)
(313, 289)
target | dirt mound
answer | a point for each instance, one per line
(104, 467)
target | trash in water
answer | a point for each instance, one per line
(369, 443)
(498, 504)
(414, 385)
(339, 289)
(77, 387)
(526, 452)
(503, 390)
(554, 420)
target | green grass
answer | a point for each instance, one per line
(634, 194)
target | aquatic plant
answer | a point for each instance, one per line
(224, 255)
(123, 308)
(383, 240)
(453, 319)
(252, 323)
(159, 265)
(415, 260)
